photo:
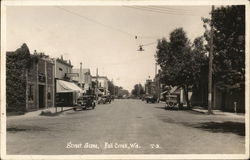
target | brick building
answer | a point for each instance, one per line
(40, 84)
(29, 88)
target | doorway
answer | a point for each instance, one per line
(41, 96)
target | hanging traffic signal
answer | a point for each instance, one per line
(140, 48)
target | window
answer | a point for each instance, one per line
(60, 69)
(49, 93)
(30, 92)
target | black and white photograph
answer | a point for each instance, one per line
(124, 79)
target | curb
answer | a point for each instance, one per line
(199, 111)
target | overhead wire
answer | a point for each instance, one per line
(166, 10)
(162, 10)
(148, 44)
(170, 8)
(104, 25)
(142, 8)
(94, 21)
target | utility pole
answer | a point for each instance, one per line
(155, 69)
(97, 84)
(81, 76)
(210, 74)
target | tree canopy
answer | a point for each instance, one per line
(16, 65)
(180, 61)
(229, 44)
(138, 90)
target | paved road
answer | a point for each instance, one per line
(126, 127)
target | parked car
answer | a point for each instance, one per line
(112, 98)
(101, 100)
(104, 99)
(107, 99)
(85, 102)
(172, 101)
(151, 98)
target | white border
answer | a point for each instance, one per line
(5, 3)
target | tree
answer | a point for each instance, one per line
(17, 64)
(138, 90)
(229, 44)
(180, 61)
(111, 87)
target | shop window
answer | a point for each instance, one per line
(30, 92)
(49, 96)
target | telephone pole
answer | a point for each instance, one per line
(97, 84)
(210, 74)
(81, 76)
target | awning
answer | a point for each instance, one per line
(99, 92)
(64, 86)
(165, 92)
(172, 90)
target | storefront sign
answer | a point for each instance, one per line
(41, 78)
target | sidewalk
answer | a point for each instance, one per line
(218, 112)
(51, 110)
(215, 112)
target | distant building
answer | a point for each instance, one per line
(85, 81)
(102, 82)
(62, 68)
(150, 87)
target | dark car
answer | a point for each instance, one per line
(151, 99)
(85, 102)
(112, 98)
(107, 99)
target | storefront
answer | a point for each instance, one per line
(67, 93)
(40, 85)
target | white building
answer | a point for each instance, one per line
(102, 83)
(84, 78)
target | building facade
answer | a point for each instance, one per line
(29, 87)
(102, 82)
(40, 85)
(83, 78)
(66, 91)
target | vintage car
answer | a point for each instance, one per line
(151, 98)
(104, 99)
(85, 102)
(172, 101)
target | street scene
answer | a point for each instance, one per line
(126, 126)
(127, 79)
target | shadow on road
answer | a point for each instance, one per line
(25, 128)
(180, 109)
(223, 127)
(160, 107)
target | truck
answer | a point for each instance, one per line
(151, 93)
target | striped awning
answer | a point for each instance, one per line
(64, 87)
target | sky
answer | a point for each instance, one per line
(102, 37)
